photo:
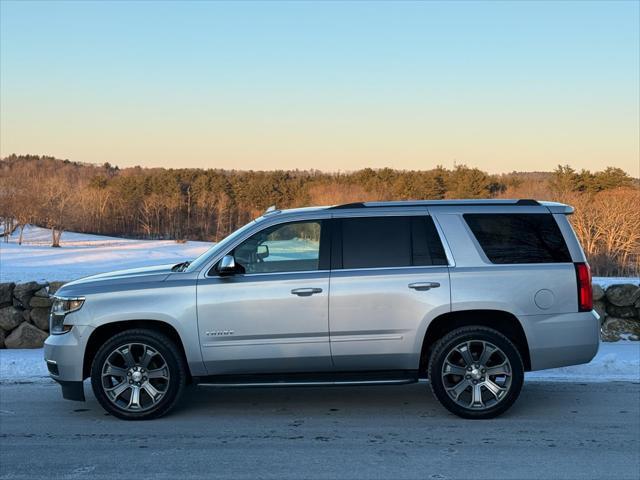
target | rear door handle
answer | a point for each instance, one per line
(421, 286)
(305, 292)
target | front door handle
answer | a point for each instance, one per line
(305, 292)
(421, 286)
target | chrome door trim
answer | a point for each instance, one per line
(364, 338)
(368, 269)
(247, 275)
(252, 343)
(410, 267)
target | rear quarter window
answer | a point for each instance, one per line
(519, 238)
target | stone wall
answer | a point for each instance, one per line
(24, 312)
(619, 309)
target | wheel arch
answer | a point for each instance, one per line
(504, 322)
(107, 330)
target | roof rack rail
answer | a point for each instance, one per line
(437, 203)
(348, 205)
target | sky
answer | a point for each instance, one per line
(335, 86)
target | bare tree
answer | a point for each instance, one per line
(55, 205)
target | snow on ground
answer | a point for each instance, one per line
(83, 254)
(614, 362)
(22, 365)
(605, 282)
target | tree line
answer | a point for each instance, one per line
(606, 218)
(197, 204)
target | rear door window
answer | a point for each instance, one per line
(394, 241)
(519, 238)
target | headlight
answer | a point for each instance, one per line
(59, 310)
(62, 306)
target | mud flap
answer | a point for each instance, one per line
(72, 390)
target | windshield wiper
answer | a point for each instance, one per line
(180, 267)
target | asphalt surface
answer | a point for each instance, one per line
(555, 430)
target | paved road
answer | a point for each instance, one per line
(556, 430)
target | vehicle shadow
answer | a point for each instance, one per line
(537, 400)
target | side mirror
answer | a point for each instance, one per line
(227, 265)
(262, 252)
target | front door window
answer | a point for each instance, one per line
(290, 247)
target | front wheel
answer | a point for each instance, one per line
(476, 372)
(138, 374)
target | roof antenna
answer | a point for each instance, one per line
(272, 208)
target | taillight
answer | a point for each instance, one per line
(585, 294)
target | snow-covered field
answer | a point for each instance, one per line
(615, 362)
(83, 254)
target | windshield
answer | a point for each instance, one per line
(198, 263)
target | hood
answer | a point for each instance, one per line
(107, 280)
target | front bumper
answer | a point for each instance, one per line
(64, 355)
(562, 340)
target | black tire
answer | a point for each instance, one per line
(445, 348)
(167, 355)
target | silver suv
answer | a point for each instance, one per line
(469, 294)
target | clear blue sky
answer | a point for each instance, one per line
(330, 85)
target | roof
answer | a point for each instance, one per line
(553, 207)
(439, 203)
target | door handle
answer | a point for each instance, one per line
(305, 292)
(421, 286)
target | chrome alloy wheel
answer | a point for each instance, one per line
(476, 375)
(135, 377)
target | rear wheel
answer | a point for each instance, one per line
(138, 374)
(476, 372)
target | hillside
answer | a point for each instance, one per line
(82, 254)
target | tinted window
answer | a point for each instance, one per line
(390, 242)
(290, 247)
(519, 238)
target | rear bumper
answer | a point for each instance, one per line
(562, 340)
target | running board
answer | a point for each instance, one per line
(310, 380)
(310, 384)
